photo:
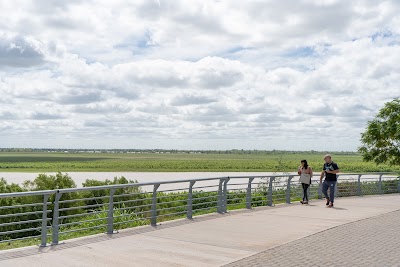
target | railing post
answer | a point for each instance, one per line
(56, 215)
(225, 196)
(359, 185)
(288, 189)
(248, 194)
(271, 180)
(190, 201)
(154, 206)
(220, 196)
(380, 184)
(44, 221)
(110, 214)
(336, 186)
(320, 190)
(398, 185)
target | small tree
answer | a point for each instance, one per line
(381, 140)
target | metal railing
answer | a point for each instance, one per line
(53, 215)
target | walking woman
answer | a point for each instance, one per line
(306, 174)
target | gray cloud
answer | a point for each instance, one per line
(7, 115)
(80, 97)
(163, 81)
(96, 123)
(212, 78)
(45, 116)
(103, 109)
(192, 100)
(19, 52)
(324, 110)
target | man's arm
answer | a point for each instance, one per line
(334, 171)
(322, 176)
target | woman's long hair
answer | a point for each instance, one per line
(305, 164)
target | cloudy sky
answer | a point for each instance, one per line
(199, 74)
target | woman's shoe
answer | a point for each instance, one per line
(327, 201)
(301, 201)
(330, 205)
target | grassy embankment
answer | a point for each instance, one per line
(179, 162)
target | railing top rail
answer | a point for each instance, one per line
(28, 193)
(367, 173)
(117, 186)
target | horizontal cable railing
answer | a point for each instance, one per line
(52, 215)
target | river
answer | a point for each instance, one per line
(141, 177)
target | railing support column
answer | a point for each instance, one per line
(320, 190)
(225, 196)
(271, 180)
(398, 185)
(380, 184)
(56, 215)
(336, 186)
(190, 201)
(110, 214)
(359, 185)
(154, 206)
(248, 194)
(288, 189)
(220, 196)
(44, 222)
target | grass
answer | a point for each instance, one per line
(179, 162)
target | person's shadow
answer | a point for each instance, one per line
(339, 208)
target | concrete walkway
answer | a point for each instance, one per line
(359, 231)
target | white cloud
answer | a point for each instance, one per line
(205, 74)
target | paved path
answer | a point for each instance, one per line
(361, 231)
(369, 242)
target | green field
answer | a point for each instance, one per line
(256, 161)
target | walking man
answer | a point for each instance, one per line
(329, 170)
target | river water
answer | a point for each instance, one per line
(141, 177)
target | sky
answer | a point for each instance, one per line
(199, 74)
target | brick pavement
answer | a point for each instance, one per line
(370, 242)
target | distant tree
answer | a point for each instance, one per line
(381, 140)
(50, 182)
(98, 195)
